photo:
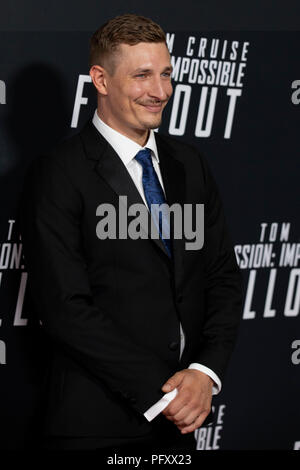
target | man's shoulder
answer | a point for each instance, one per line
(68, 154)
(176, 144)
(68, 148)
(186, 153)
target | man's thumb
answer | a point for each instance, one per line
(171, 383)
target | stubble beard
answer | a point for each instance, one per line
(156, 121)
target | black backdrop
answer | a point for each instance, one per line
(246, 84)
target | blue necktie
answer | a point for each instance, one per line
(154, 195)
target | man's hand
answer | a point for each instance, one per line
(192, 404)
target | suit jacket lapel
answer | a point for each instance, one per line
(109, 166)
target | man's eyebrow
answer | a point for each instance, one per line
(145, 70)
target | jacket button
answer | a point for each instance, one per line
(173, 346)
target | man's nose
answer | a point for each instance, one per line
(160, 89)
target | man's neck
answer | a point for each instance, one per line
(140, 136)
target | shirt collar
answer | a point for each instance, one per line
(123, 146)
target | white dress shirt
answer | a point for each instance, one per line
(127, 149)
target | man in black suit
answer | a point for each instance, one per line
(141, 328)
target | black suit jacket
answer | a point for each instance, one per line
(112, 307)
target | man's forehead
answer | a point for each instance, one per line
(144, 54)
(143, 48)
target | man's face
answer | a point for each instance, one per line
(139, 88)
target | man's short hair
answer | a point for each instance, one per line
(124, 29)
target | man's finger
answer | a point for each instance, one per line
(176, 405)
(172, 382)
(184, 411)
(186, 417)
(195, 425)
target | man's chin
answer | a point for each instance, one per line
(153, 123)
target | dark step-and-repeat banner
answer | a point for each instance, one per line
(236, 97)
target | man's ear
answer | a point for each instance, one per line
(98, 76)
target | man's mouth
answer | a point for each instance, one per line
(153, 108)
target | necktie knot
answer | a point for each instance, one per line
(144, 157)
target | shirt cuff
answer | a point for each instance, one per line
(217, 382)
(160, 405)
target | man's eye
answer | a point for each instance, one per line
(141, 75)
(167, 74)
